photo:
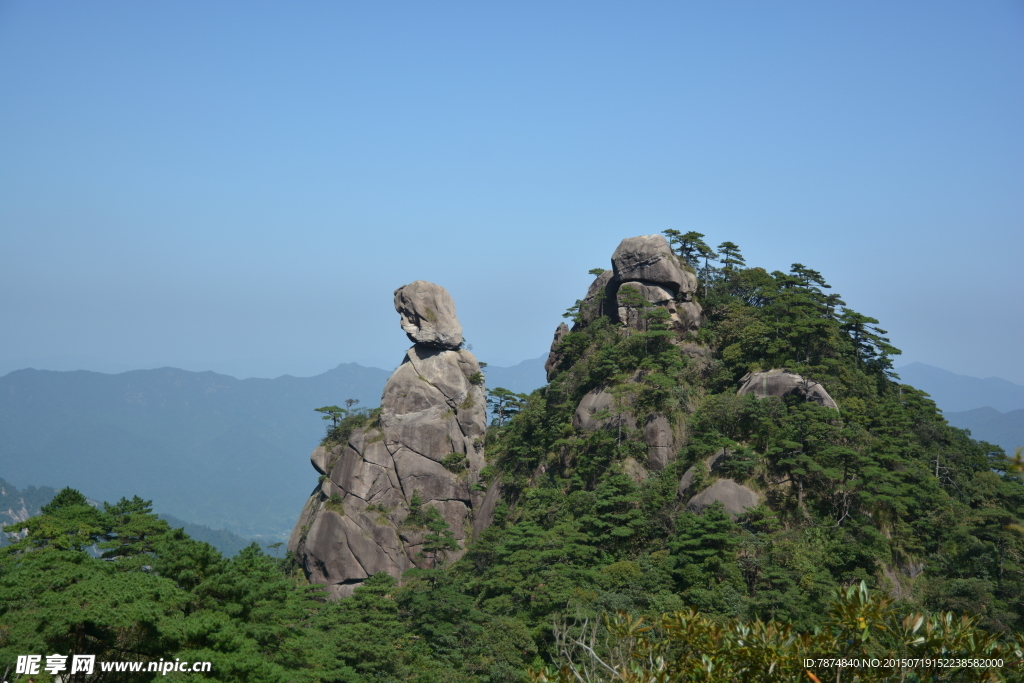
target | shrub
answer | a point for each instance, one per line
(455, 462)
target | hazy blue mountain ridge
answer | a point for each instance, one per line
(992, 408)
(521, 378)
(213, 450)
(18, 505)
(206, 448)
(956, 393)
(988, 424)
(226, 542)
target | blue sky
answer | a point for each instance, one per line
(240, 186)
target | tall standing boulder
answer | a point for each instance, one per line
(660, 441)
(424, 450)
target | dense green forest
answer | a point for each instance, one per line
(881, 525)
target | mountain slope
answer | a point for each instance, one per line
(736, 444)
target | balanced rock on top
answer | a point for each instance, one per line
(647, 273)
(428, 315)
(649, 258)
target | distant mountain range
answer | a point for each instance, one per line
(206, 448)
(988, 424)
(992, 408)
(521, 378)
(957, 393)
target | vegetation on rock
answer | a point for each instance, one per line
(876, 527)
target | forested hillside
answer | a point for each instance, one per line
(849, 504)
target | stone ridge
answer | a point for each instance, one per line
(427, 441)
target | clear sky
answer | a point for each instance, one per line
(240, 186)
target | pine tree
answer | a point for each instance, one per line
(732, 259)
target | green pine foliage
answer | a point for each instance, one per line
(883, 492)
(878, 511)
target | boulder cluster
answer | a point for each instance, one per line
(781, 383)
(645, 273)
(424, 450)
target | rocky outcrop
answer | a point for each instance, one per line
(710, 465)
(650, 275)
(600, 298)
(782, 383)
(660, 441)
(649, 258)
(645, 274)
(598, 410)
(483, 514)
(735, 498)
(428, 315)
(634, 470)
(594, 410)
(555, 356)
(633, 299)
(427, 442)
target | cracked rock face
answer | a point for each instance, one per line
(600, 298)
(427, 441)
(555, 357)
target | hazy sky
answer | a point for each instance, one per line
(240, 186)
